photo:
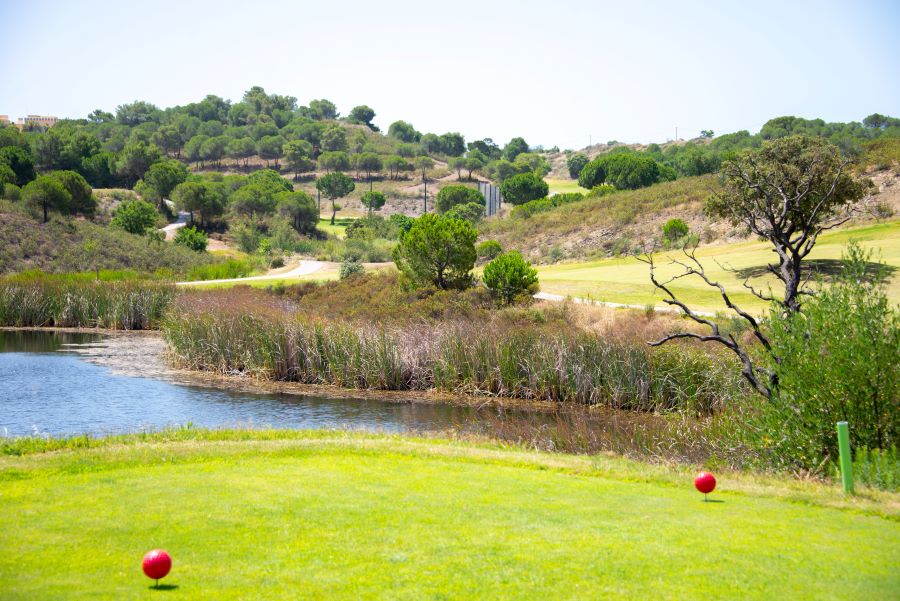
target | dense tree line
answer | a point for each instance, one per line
(701, 157)
(121, 148)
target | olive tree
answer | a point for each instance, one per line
(437, 251)
(788, 192)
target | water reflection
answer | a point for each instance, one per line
(47, 391)
(30, 341)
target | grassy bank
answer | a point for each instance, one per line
(346, 516)
(71, 301)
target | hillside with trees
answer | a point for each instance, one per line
(259, 172)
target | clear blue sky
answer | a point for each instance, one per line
(553, 72)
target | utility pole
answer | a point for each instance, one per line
(676, 133)
(425, 195)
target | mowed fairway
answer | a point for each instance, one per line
(564, 186)
(339, 516)
(626, 280)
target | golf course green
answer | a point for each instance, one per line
(334, 515)
(627, 280)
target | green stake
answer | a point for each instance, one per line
(843, 432)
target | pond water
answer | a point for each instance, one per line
(62, 383)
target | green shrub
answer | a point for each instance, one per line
(456, 194)
(509, 277)
(473, 212)
(350, 267)
(556, 254)
(838, 363)
(11, 191)
(401, 222)
(246, 235)
(523, 187)
(373, 200)
(876, 468)
(373, 226)
(192, 238)
(437, 251)
(675, 229)
(602, 190)
(524, 211)
(624, 170)
(135, 216)
(575, 163)
(546, 204)
(488, 249)
(591, 175)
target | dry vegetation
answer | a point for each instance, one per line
(59, 245)
(609, 224)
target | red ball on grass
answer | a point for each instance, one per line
(156, 564)
(705, 482)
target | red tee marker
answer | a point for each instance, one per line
(156, 564)
(705, 483)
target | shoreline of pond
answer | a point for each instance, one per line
(247, 384)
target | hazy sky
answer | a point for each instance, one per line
(553, 71)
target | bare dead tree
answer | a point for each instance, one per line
(788, 193)
(763, 380)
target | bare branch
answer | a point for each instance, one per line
(748, 369)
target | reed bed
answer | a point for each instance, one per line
(476, 359)
(70, 302)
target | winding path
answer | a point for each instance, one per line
(304, 268)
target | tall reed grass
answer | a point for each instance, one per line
(71, 302)
(469, 359)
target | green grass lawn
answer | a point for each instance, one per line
(562, 186)
(626, 280)
(348, 516)
(339, 227)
